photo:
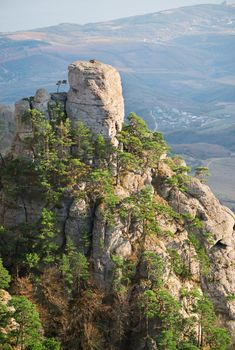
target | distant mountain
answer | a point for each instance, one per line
(177, 67)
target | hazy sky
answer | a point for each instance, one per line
(29, 14)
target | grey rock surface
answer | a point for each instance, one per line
(41, 100)
(7, 127)
(23, 128)
(95, 97)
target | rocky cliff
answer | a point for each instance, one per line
(95, 97)
(7, 127)
(114, 242)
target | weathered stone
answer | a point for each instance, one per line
(40, 101)
(23, 127)
(78, 224)
(95, 97)
(7, 127)
(133, 182)
(219, 220)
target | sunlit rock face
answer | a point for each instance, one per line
(95, 97)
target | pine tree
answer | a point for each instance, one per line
(5, 277)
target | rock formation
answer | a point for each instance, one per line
(95, 97)
(83, 218)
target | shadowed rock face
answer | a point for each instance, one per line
(95, 97)
(7, 127)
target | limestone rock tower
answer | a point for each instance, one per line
(95, 97)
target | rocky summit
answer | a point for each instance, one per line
(95, 97)
(105, 235)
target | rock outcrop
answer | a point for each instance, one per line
(95, 97)
(219, 225)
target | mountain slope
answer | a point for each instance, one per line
(118, 247)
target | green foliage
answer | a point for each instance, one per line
(167, 211)
(141, 147)
(118, 260)
(196, 228)
(178, 265)
(128, 162)
(143, 209)
(47, 236)
(180, 177)
(74, 268)
(83, 143)
(57, 114)
(167, 340)
(202, 173)
(5, 317)
(15, 243)
(137, 126)
(169, 312)
(149, 304)
(32, 260)
(101, 188)
(51, 344)
(5, 277)
(218, 338)
(188, 346)
(26, 315)
(230, 297)
(100, 146)
(215, 337)
(196, 224)
(101, 185)
(209, 238)
(174, 333)
(161, 304)
(123, 273)
(155, 268)
(19, 178)
(25, 332)
(202, 256)
(103, 151)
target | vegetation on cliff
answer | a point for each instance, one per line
(54, 277)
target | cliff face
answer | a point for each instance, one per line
(95, 97)
(6, 127)
(147, 229)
